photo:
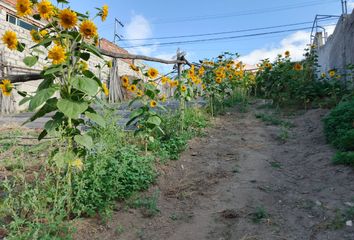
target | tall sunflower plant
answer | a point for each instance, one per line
(147, 104)
(69, 89)
(189, 88)
(218, 80)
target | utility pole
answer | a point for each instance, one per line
(344, 7)
(117, 23)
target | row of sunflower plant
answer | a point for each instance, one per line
(215, 80)
(288, 82)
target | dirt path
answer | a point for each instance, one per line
(244, 181)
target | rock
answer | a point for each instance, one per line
(349, 223)
(349, 204)
(318, 203)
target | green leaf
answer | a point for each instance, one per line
(52, 70)
(45, 42)
(61, 159)
(46, 83)
(155, 120)
(24, 100)
(134, 115)
(49, 106)
(92, 49)
(40, 98)
(42, 135)
(21, 47)
(91, 75)
(22, 93)
(30, 61)
(37, 17)
(96, 118)
(71, 109)
(84, 140)
(85, 56)
(86, 85)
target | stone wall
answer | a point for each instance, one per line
(338, 51)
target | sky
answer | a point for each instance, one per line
(162, 18)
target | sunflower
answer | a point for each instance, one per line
(125, 80)
(268, 65)
(88, 29)
(57, 54)
(43, 33)
(83, 66)
(77, 163)
(23, 7)
(323, 75)
(36, 37)
(6, 87)
(45, 9)
(201, 71)
(164, 80)
(163, 98)
(68, 18)
(153, 103)
(183, 88)
(10, 39)
(109, 64)
(105, 89)
(297, 67)
(132, 88)
(203, 86)
(139, 93)
(218, 80)
(332, 73)
(287, 54)
(173, 83)
(104, 13)
(134, 68)
(152, 73)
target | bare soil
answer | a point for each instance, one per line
(244, 180)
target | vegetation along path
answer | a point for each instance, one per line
(252, 176)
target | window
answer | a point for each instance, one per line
(14, 20)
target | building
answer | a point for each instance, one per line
(11, 62)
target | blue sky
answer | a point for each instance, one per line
(160, 18)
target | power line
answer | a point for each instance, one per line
(220, 38)
(220, 33)
(244, 13)
(241, 13)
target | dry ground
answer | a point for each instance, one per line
(245, 180)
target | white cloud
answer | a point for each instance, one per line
(295, 43)
(139, 28)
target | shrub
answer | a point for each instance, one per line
(113, 170)
(338, 126)
(346, 158)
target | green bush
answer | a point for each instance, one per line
(338, 126)
(113, 170)
(346, 158)
(174, 141)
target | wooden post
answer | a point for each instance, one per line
(182, 100)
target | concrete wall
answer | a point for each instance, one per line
(338, 51)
